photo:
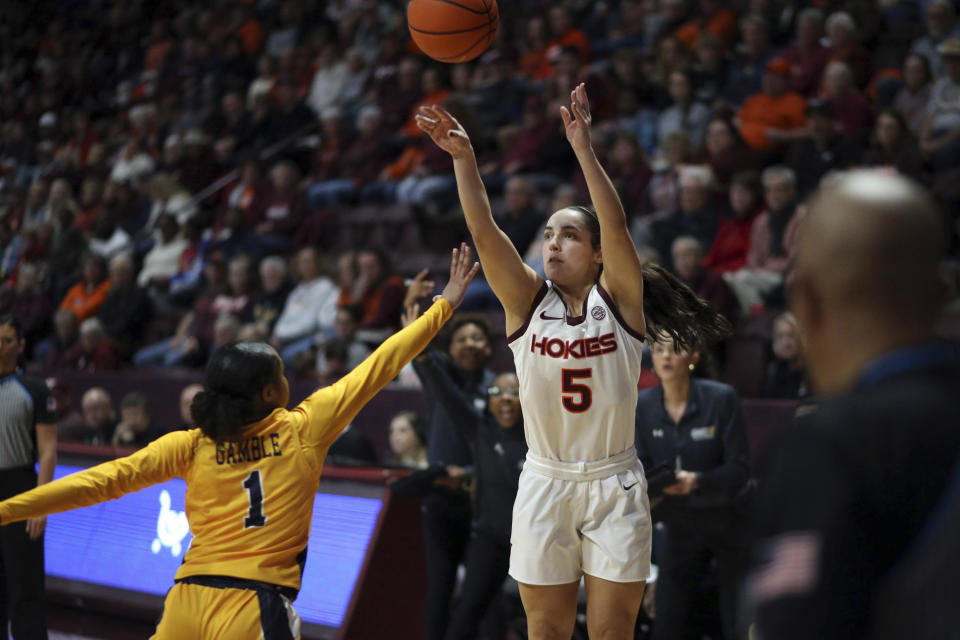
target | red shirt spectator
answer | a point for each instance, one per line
(92, 352)
(854, 115)
(732, 242)
(282, 207)
(807, 57)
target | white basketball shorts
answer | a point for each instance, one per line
(571, 519)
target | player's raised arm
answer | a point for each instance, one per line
(623, 275)
(513, 282)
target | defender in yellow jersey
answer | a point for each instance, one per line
(251, 469)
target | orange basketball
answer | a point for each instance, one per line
(453, 30)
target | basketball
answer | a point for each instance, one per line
(453, 30)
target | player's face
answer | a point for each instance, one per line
(568, 255)
(504, 400)
(10, 348)
(469, 347)
(670, 364)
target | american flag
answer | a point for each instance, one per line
(792, 567)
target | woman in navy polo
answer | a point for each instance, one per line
(696, 426)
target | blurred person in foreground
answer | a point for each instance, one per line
(847, 495)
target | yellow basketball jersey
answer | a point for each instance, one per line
(249, 501)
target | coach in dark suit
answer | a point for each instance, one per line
(851, 489)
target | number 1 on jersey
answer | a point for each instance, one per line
(254, 487)
(573, 403)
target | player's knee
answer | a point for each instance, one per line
(611, 627)
(544, 628)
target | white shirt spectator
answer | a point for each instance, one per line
(327, 86)
(310, 307)
(119, 243)
(162, 261)
(126, 169)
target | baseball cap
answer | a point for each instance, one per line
(779, 65)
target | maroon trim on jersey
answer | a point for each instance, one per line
(616, 313)
(580, 319)
(537, 299)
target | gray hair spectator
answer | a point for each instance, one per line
(772, 240)
(687, 255)
(92, 352)
(99, 418)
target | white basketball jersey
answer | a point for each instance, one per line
(578, 378)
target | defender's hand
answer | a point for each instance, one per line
(461, 273)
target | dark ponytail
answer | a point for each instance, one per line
(232, 386)
(669, 306)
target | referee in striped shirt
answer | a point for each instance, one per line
(28, 435)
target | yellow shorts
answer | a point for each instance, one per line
(209, 612)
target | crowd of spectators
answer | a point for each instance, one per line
(175, 176)
(172, 175)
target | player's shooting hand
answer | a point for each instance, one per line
(461, 273)
(444, 129)
(576, 120)
(35, 527)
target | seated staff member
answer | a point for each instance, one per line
(251, 469)
(696, 426)
(499, 449)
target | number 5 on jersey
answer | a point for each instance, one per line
(576, 397)
(254, 487)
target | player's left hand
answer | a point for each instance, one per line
(686, 483)
(36, 526)
(577, 125)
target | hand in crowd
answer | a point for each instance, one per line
(410, 313)
(419, 287)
